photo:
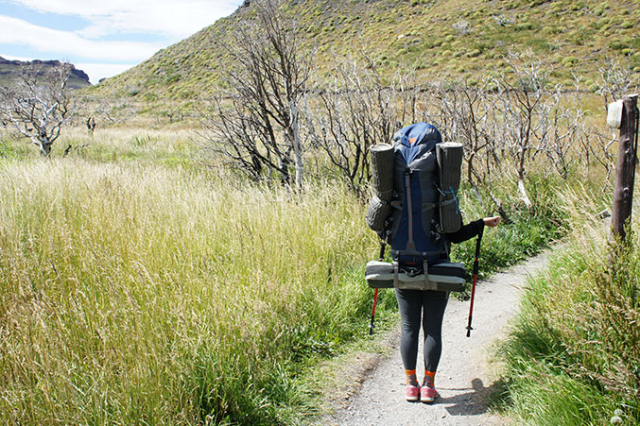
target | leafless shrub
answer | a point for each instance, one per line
(268, 81)
(244, 142)
(503, 20)
(116, 112)
(40, 104)
(466, 114)
(616, 81)
(357, 110)
(508, 125)
(524, 107)
(596, 147)
(462, 27)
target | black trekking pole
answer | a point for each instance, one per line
(475, 280)
(375, 294)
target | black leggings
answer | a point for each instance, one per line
(413, 304)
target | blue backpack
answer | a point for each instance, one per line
(415, 240)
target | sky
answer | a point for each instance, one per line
(101, 37)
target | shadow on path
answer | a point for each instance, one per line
(471, 401)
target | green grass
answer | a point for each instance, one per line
(574, 355)
(138, 289)
(171, 146)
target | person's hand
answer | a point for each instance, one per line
(492, 221)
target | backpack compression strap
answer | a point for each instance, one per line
(411, 245)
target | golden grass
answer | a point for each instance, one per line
(133, 293)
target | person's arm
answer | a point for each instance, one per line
(466, 232)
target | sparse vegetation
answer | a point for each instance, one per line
(406, 33)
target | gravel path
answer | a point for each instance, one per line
(465, 375)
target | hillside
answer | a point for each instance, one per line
(443, 39)
(10, 71)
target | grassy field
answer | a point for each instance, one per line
(452, 39)
(141, 282)
(135, 293)
(140, 287)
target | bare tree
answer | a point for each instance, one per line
(243, 140)
(357, 111)
(268, 80)
(40, 104)
(115, 112)
(524, 106)
(616, 81)
(466, 113)
(597, 147)
(564, 126)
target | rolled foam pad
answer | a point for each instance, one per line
(377, 213)
(449, 156)
(382, 160)
(442, 277)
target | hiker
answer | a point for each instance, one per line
(426, 308)
(415, 209)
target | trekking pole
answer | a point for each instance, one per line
(475, 280)
(375, 294)
(373, 311)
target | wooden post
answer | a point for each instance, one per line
(626, 167)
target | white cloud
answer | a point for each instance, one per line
(16, 58)
(17, 31)
(168, 17)
(89, 48)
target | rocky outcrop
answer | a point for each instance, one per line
(9, 71)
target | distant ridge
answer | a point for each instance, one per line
(9, 72)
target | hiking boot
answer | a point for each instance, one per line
(428, 394)
(412, 393)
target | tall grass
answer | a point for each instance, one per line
(148, 292)
(134, 294)
(574, 355)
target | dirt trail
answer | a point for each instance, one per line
(465, 375)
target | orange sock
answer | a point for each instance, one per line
(429, 379)
(411, 377)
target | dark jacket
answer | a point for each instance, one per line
(466, 232)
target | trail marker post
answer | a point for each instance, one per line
(626, 166)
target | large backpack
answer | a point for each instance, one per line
(415, 237)
(426, 175)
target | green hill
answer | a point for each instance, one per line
(442, 39)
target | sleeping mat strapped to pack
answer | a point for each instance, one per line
(421, 211)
